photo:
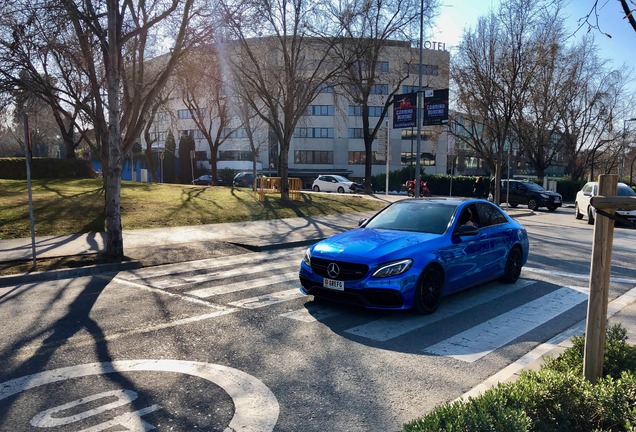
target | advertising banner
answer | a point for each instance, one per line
(435, 107)
(405, 111)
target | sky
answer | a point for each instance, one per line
(455, 15)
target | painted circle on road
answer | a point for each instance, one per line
(255, 406)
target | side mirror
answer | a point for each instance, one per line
(362, 221)
(466, 230)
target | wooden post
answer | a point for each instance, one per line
(599, 284)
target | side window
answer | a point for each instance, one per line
(490, 215)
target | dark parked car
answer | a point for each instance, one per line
(530, 194)
(206, 180)
(414, 252)
(244, 179)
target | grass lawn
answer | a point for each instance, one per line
(76, 206)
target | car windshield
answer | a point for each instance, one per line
(419, 216)
(625, 191)
(534, 186)
(341, 179)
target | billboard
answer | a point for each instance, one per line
(405, 111)
(435, 107)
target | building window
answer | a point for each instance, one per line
(408, 159)
(360, 157)
(201, 155)
(313, 133)
(234, 133)
(325, 88)
(184, 114)
(380, 89)
(235, 155)
(158, 136)
(356, 133)
(162, 116)
(382, 66)
(313, 157)
(320, 110)
(356, 111)
(426, 69)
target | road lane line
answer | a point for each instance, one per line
(269, 299)
(209, 277)
(575, 275)
(245, 285)
(396, 325)
(480, 340)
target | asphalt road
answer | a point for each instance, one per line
(231, 344)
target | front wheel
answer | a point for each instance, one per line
(590, 216)
(577, 212)
(428, 293)
(512, 271)
(532, 204)
(551, 208)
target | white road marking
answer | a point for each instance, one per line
(396, 325)
(255, 406)
(211, 264)
(269, 299)
(241, 286)
(575, 275)
(473, 344)
(176, 282)
(163, 292)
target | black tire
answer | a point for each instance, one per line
(514, 205)
(316, 189)
(552, 209)
(590, 215)
(512, 270)
(577, 213)
(340, 189)
(532, 204)
(428, 293)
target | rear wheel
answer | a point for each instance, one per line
(340, 189)
(577, 212)
(532, 204)
(428, 293)
(512, 271)
(316, 189)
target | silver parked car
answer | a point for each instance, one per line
(582, 205)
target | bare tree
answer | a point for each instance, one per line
(493, 74)
(104, 46)
(281, 73)
(369, 28)
(205, 95)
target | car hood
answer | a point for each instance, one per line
(364, 244)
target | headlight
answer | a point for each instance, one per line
(393, 268)
(307, 257)
(545, 196)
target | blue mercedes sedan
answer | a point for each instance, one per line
(414, 252)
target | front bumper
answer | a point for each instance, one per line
(383, 294)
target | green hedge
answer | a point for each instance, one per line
(555, 398)
(462, 186)
(45, 168)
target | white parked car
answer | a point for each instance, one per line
(335, 183)
(582, 205)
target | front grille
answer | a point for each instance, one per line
(348, 271)
(373, 298)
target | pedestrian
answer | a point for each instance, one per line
(478, 188)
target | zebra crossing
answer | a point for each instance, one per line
(259, 280)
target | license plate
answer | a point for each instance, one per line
(333, 284)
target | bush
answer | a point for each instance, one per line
(555, 398)
(45, 168)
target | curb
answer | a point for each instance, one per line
(69, 273)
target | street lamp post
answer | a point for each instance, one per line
(622, 165)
